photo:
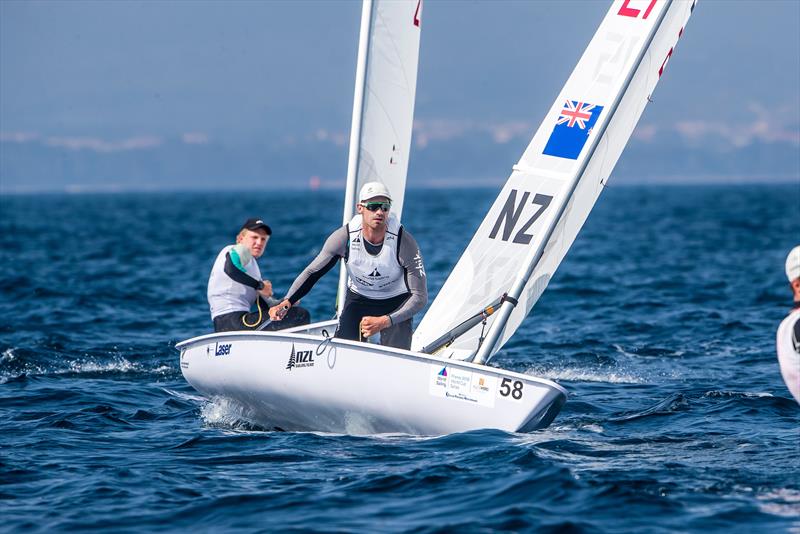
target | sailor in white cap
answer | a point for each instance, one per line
(386, 283)
(788, 339)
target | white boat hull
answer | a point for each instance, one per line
(296, 381)
(788, 357)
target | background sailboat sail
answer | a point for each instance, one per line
(552, 189)
(383, 105)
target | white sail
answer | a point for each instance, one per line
(383, 104)
(552, 189)
(383, 110)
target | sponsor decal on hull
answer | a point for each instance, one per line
(300, 358)
(468, 386)
(219, 349)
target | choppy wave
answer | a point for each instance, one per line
(738, 394)
(586, 375)
(782, 502)
(13, 367)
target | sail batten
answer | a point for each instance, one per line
(560, 175)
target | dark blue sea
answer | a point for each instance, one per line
(660, 323)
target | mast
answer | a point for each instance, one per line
(484, 352)
(355, 136)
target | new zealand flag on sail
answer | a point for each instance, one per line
(572, 129)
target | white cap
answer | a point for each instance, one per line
(793, 264)
(373, 189)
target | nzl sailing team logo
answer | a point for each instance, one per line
(572, 129)
(300, 358)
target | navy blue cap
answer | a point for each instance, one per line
(256, 224)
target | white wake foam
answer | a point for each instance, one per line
(183, 396)
(7, 355)
(586, 375)
(220, 412)
(117, 364)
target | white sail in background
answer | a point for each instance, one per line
(552, 189)
(380, 138)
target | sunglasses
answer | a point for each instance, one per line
(375, 206)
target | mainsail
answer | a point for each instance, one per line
(383, 105)
(555, 184)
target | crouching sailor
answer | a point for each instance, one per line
(789, 330)
(235, 285)
(386, 282)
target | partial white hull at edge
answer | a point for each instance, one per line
(293, 381)
(788, 357)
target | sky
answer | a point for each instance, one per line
(149, 90)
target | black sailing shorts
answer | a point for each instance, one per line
(229, 322)
(357, 307)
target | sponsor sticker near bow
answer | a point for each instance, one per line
(219, 349)
(460, 384)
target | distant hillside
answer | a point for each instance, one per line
(467, 156)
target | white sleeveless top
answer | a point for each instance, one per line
(226, 295)
(788, 357)
(380, 276)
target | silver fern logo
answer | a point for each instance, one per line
(292, 359)
(300, 358)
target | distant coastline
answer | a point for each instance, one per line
(454, 184)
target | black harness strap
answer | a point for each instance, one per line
(347, 247)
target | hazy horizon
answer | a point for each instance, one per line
(194, 95)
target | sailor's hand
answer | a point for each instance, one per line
(266, 291)
(276, 313)
(372, 325)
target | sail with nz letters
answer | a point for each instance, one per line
(555, 184)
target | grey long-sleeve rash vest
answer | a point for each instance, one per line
(336, 247)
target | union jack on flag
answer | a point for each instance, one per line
(572, 129)
(576, 113)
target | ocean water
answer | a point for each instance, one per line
(660, 323)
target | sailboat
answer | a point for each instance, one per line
(303, 379)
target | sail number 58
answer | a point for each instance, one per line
(512, 388)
